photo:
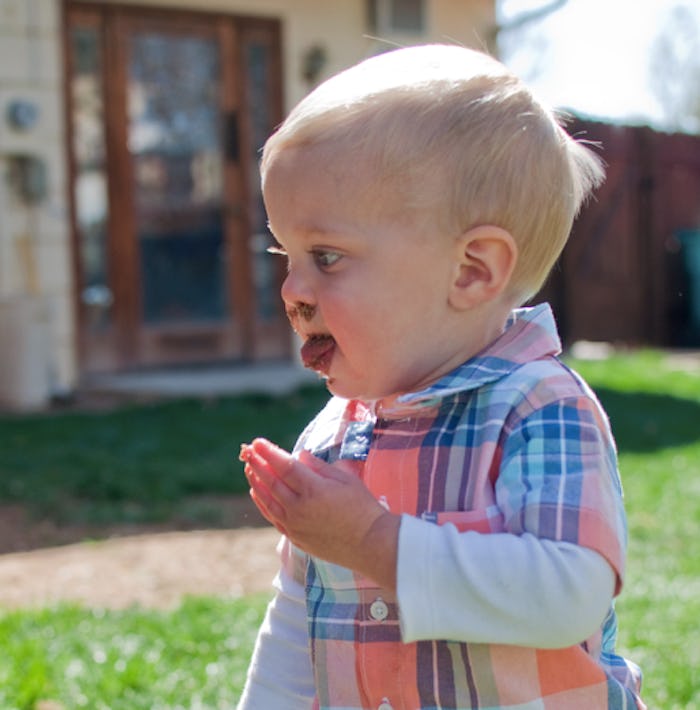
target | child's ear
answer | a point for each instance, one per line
(484, 261)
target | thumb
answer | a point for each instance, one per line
(340, 470)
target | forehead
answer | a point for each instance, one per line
(344, 180)
(309, 164)
(310, 175)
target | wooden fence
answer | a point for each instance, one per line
(625, 276)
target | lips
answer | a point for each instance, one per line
(317, 353)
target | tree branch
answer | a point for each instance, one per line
(531, 16)
(522, 20)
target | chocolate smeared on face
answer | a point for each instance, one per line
(300, 310)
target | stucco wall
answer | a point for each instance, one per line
(340, 26)
(35, 247)
(34, 236)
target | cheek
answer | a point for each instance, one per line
(360, 336)
(374, 317)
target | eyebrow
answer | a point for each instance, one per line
(310, 233)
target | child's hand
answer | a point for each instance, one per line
(324, 509)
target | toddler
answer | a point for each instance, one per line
(452, 520)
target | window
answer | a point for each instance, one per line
(387, 16)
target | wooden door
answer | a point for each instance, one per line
(167, 112)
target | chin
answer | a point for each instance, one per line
(337, 389)
(347, 390)
(343, 389)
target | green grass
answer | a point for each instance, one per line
(136, 659)
(193, 658)
(655, 415)
(140, 463)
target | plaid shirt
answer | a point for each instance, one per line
(512, 441)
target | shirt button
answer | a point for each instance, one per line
(386, 705)
(378, 610)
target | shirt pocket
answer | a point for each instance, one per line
(483, 520)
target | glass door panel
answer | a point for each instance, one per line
(175, 136)
(86, 106)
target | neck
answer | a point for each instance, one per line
(462, 349)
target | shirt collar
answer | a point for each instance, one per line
(530, 334)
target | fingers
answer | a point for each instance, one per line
(265, 511)
(339, 470)
(264, 479)
(315, 464)
(280, 460)
(267, 492)
(287, 468)
(277, 458)
(275, 467)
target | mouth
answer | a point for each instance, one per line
(317, 353)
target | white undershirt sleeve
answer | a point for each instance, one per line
(498, 588)
(280, 675)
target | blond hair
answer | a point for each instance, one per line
(450, 132)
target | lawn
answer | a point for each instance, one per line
(151, 459)
(141, 463)
(655, 413)
(66, 658)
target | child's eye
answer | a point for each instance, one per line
(324, 259)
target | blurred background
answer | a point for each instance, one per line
(628, 74)
(624, 61)
(132, 234)
(133, 266)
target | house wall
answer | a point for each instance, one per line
(35, 269)
(340, 27)
(36, 274)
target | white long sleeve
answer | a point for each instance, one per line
(498, 588)
(280, 675)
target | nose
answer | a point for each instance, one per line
(297, 290)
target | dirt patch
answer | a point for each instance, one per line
(115, 567)
(21, 532)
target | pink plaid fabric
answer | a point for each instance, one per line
(511, 442)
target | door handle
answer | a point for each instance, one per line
(232, 143)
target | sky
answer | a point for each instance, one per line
(593, 56)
